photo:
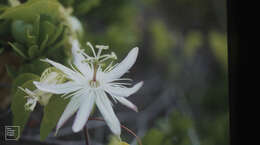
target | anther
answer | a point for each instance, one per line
(104, 47)
(113, 55)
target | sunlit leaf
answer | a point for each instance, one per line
(30, 10)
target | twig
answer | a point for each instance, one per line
(86, 134)
(124, 127)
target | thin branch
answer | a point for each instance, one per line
(122, 126)
(86, 134)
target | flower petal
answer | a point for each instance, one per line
(83, 112)
(70, 73)
(123, 92)
(105, 107)
(125, 65)
(70, 109)
(84, 68)
(58, 88)
(127, 103)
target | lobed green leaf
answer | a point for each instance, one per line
(52, 113)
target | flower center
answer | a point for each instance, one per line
(94, 84)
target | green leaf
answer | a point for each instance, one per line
(20, 116)
(115, 141)
(44, 43)
(17, 48)
(21, 79)
(47, 28)
(19, 30)
(36, 27)
(56, 35)
(30, 10)
(61, 42)
(36, 67)
(33, 51)
(30, 38)
(52, 113)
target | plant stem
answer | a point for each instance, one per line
(86, 135)
(122, 126)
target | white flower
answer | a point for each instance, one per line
(49, 76)
(32, 99)
(92, 84)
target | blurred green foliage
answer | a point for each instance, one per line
(162, 40)
(218, 44)
(81, 7)
(193, 41)
(187, 36)
(113, 23)
(174, 131)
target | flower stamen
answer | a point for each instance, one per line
(94, 84)
(92, 48)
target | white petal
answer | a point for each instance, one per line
(70, 73)
(78, 58)
(123, 92)
(105, 107)
(127, 103)
(83, 112)
(70, 109)
(125, 65)
(58, 88)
